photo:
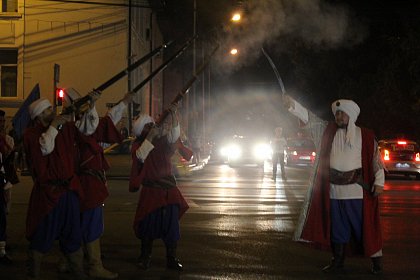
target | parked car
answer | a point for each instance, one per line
(300, 151)
(242, 150)
(400, 157)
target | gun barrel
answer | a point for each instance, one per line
(164, 65)
(188, 85)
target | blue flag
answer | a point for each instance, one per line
(22, 118)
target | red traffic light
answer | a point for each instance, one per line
(60, 93)
(60, 96)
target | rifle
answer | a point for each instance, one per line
(81, 103)
(187, 86)
(164, 65)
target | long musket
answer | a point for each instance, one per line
(187, 86)
(164, 65)
(85, 99)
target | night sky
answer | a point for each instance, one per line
(367, 51)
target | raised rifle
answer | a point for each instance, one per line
(82, 103)
(187, 86)
(164, 65)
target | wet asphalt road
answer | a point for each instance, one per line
(239, 226)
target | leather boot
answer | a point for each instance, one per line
(146, 253)
(171, 260)
(33, 264)
(96, 268)
(377, 267)
(337, 261)
(76, 264)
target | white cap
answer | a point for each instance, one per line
(38, 106)
(352, 110)
(71, 95)
(139, 124)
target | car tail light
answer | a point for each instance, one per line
(386, 155)
(313, 154)
(402, 142)
(417, 158)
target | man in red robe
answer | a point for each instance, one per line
(160, 204)
(342, 205)
(95, 190)
(52, 148)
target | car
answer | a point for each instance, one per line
(119, 158)
(400, 156)
(300, 152)
(243, 150)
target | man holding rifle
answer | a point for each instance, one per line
(52, 147)
(93, 180)
(160, 204)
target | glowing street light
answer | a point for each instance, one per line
(236, 17)
(234, 51)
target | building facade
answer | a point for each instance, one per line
(76, 44)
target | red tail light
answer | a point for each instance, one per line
(386, 155)
(402, 142)
(417, 158)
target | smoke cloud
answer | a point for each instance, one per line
(316, 23)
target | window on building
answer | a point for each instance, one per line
(8, 73)
(9, 6)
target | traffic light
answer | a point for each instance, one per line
(60, 96)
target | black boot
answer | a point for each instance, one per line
(171, 260)
(337, 261)
(146, 253)
(377, 266)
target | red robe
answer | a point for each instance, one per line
(156, 165)
(317, 225)
(60, 164)
(92, 158)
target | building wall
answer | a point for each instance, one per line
(88, 41)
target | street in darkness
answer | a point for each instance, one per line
(239, 226)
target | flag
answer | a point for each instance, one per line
(22, 118)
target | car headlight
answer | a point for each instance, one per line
(262, 151)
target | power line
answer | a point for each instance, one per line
(107, 3)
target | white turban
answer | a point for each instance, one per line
(38, 106)
(70, 96)
(139, 124)
(352, 110)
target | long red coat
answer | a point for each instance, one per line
(92, 157)
(318, 224)
(157, 165)
(60, 164)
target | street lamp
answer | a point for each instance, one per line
(236, 17)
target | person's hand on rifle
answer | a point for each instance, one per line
(128, 98)
(94, 95)
(172, 109)
(154, 131)
(59, 120)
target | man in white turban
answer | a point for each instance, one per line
(342, 201)
(152, 173)
(52, 145)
